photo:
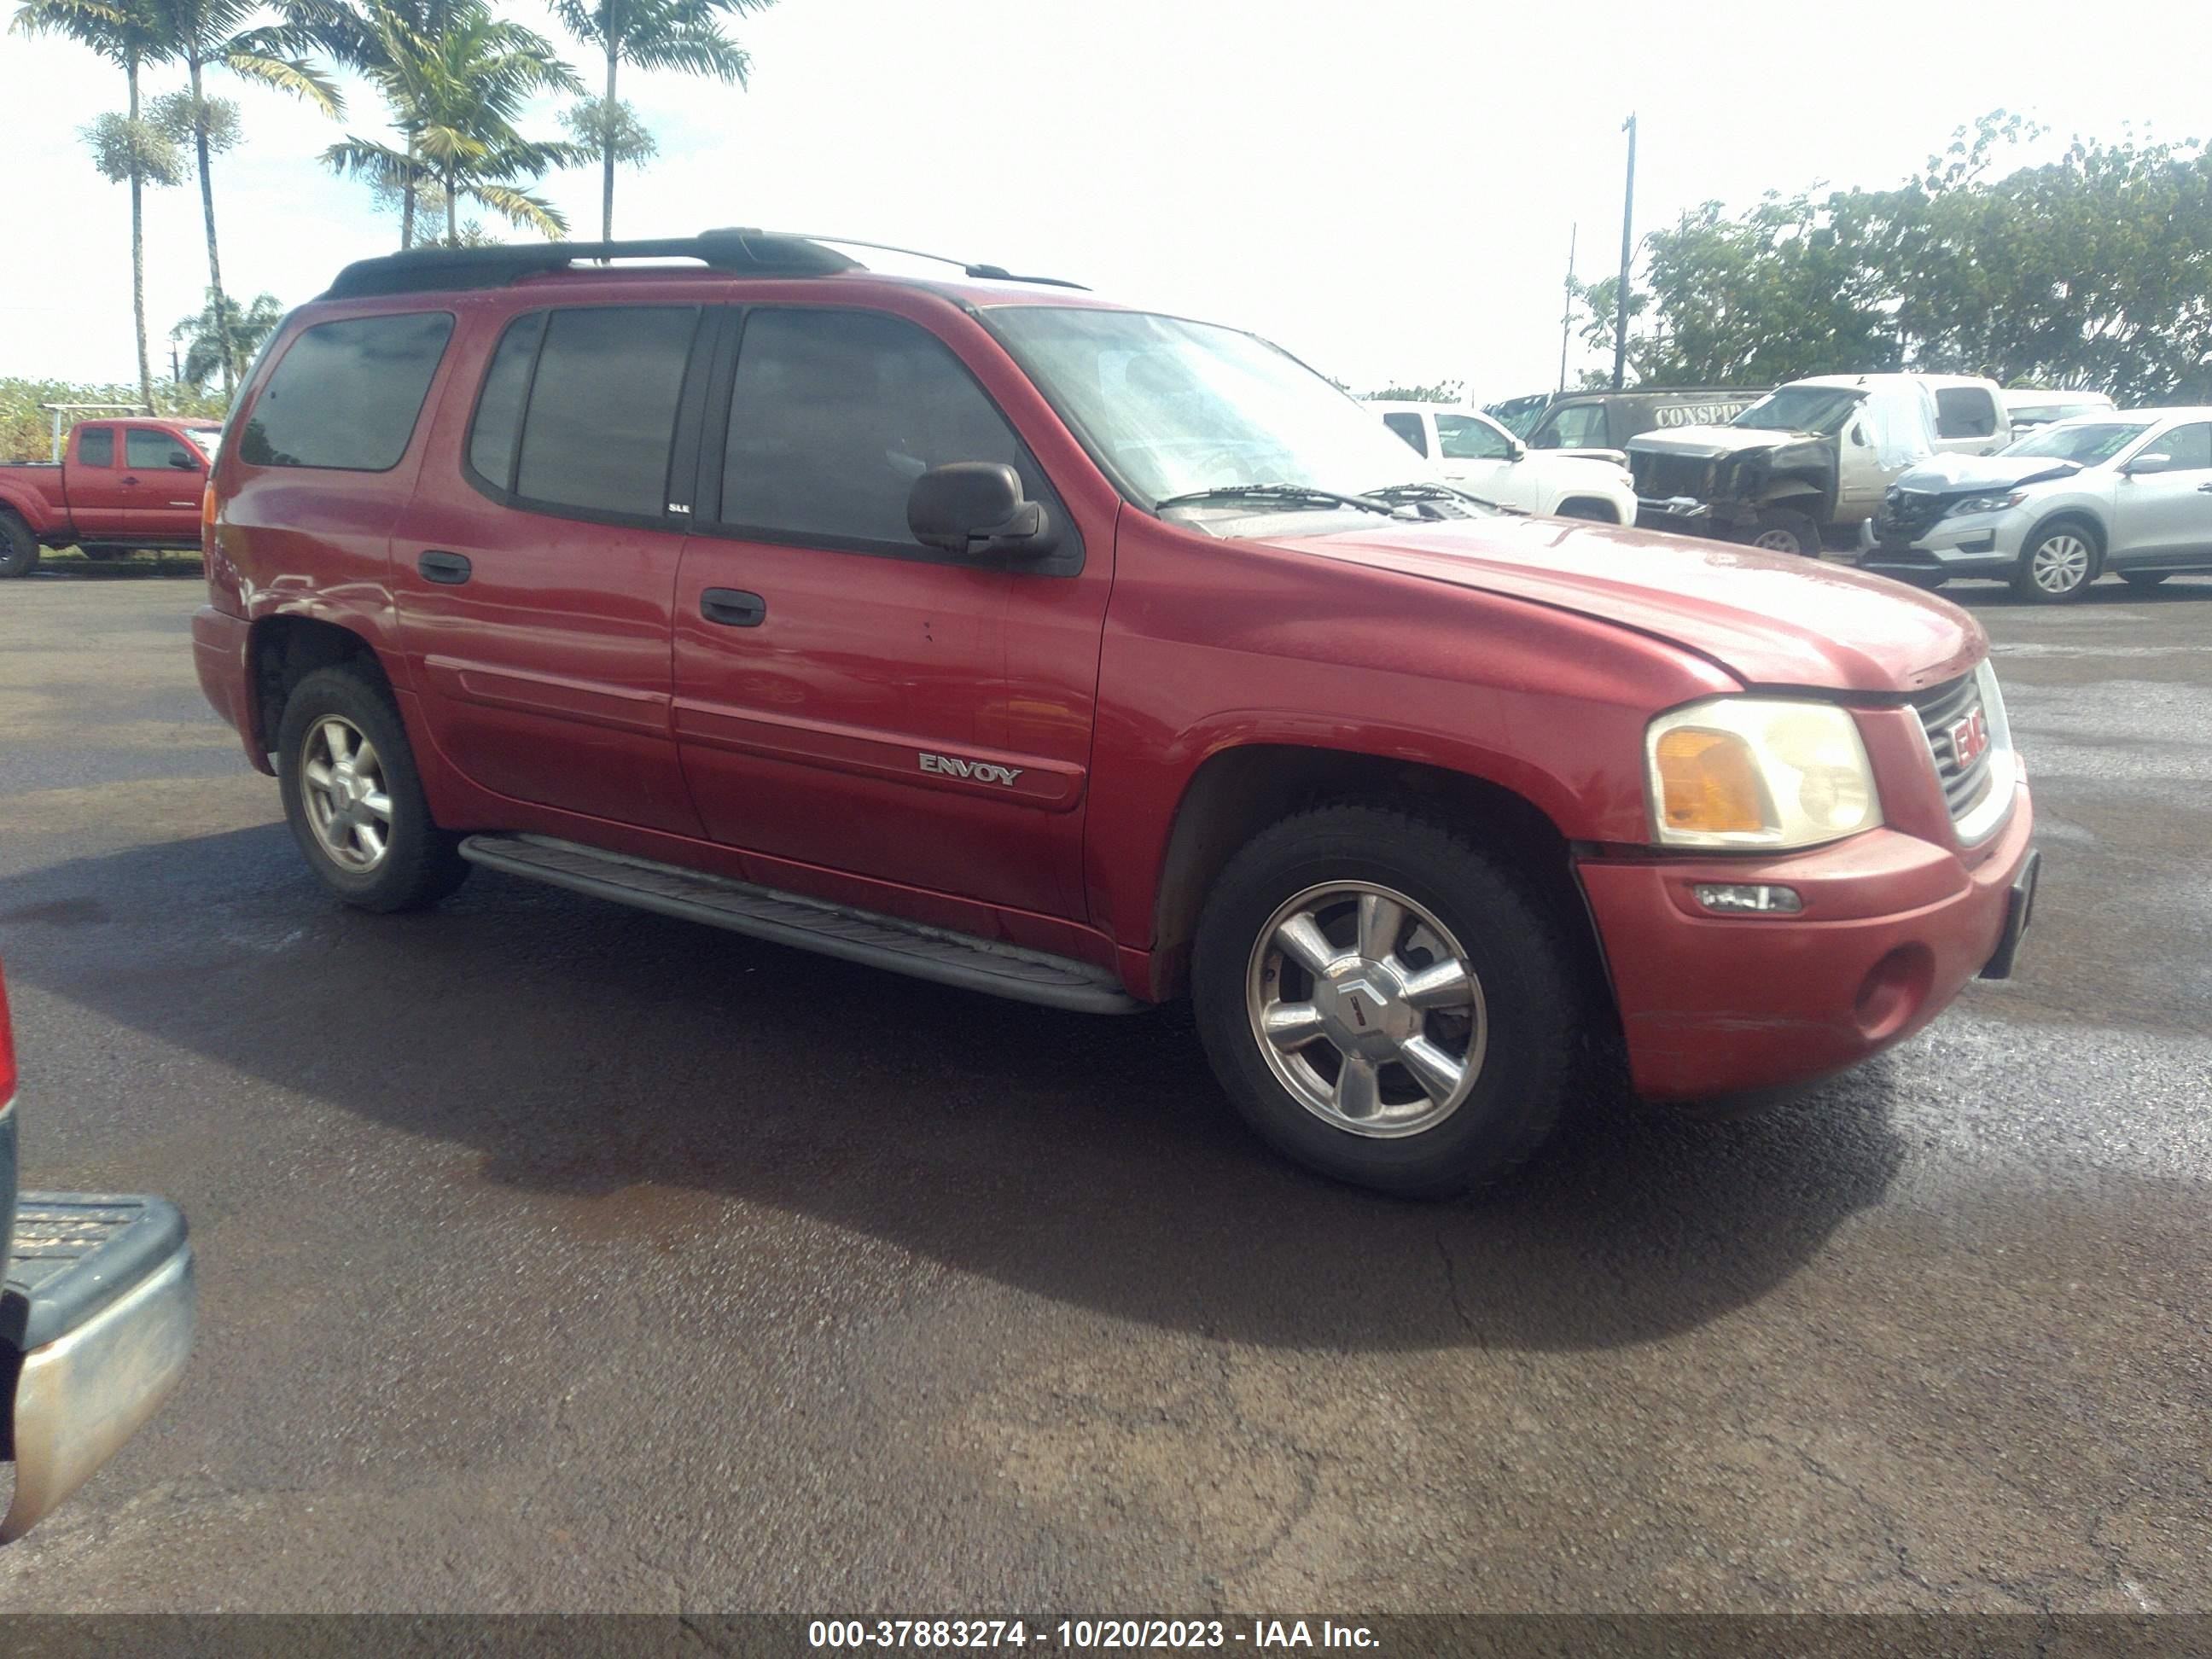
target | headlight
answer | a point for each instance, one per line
(1986, 503)
(1758, 772)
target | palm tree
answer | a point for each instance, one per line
(219, 328)
(456, 78)
(215, 33)
(674, 34)
(125, 148)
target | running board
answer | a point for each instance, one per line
(903, 947)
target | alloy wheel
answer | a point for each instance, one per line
(348, 806)
(2060, 562)
(1366, 1009)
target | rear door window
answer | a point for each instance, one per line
(1408, 427)
(96, 445)
(599, 423)
(346, 395)
(1965, 412)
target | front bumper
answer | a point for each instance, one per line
(1985, 544)
(1893, 929)
(95, 1323)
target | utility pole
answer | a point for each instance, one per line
(1627, 249)
(1567, 311)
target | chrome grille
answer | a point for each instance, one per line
(1940, 710)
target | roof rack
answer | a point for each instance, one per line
(754, 251)
(995, 273)
(740, 249)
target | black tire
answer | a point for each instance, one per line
(1584, 507)
(19, 548)
(1785, 530)
(420, 863)
(2046, 546)
(2143, 581)
(1520, 960)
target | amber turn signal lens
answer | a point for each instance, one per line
(207, 522)
(1710, 783)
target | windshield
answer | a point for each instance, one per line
(2088, 443)
(204, 439)
(1172, 408)
(1822, 409)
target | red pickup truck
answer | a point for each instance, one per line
(120, 484)
(989, 633)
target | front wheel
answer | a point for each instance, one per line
(2059, 562)
(1384, 1002)
(354, 801)
(1784, 529)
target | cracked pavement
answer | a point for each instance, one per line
(555, 1256)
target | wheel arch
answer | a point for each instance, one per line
(2098, 543)
(1596, 509)
(1238, 791)
(282, 650)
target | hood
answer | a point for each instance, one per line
(1770, 619)
(1717, 440)
(1948, 475)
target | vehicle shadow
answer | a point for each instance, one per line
(2107, 592)
(615, 1064)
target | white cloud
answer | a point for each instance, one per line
(1387, 189)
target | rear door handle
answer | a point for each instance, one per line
(732, 607)
(451, 569)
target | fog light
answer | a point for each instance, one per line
(1733, 899)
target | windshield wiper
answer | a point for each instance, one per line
(1283, 492)
(1427, 491)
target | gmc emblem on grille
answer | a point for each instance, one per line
(1970, 739)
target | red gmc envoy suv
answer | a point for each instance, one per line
(984, 631)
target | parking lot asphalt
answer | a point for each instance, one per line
(554, 1255)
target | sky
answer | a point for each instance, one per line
(1386, 188)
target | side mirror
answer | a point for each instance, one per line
(1858, 435)
(1515, 449)
(2159, 461)
(972, 507)
(183, 463)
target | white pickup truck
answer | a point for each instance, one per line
(1472, 452)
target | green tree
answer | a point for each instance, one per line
(1438, 391)
(455, 79)
(126, 149)
(654, 34)
(220, 34)
(220, 328)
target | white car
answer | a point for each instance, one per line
(2030, 408)
(2128, 492)
(1471, 451)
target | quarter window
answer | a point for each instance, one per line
(498, 420)
(602, 408)
(1408, 427)
(95, 446)
(347, 395)
(834, 414)
(143, 448)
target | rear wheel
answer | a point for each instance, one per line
(1384, 1002)
(1784, 529)
(353, 798)
(2143, 581)
(2059, 561)
(19, 548)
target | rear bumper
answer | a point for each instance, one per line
(219, 641)
(98, 1319)
(1893, 929)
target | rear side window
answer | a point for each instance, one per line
(95, 446)
(347, 395)
(146, 449)
(834, 414)
(1965, 412)
(1408, 427)
(598, 413)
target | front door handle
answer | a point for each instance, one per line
(732, 607)
(2204, 490)
(451, 569)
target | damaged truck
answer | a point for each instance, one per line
(1806, 464)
